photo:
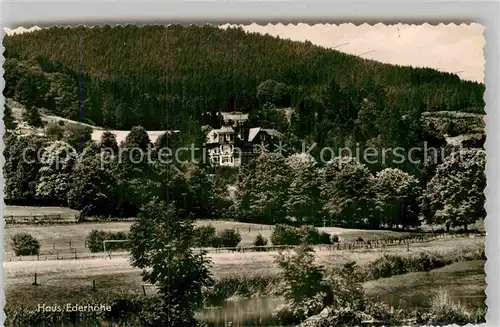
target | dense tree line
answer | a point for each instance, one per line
(343, 192)
(104, 179)
(52, 170)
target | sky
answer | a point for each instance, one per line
(449, 48)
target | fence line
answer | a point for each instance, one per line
(37, 219)
(339, 246)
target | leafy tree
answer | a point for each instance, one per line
(22, 167)
(262, 190)
(77, 136)
(54, 180)
(92, 185)
(347, 192)
(108, 141)
(455, 195)
(25, 244)
(32, 87)
(199, 200)
(161, 245)
(229, 238)
(137, 138)
(286, 235)
(268, 117)
(303, 201)
(397, 195)
(205, 236)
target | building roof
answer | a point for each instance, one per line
(225, 129)
(254, 131)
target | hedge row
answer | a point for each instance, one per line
(289, 235)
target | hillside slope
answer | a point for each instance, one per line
(163, 77)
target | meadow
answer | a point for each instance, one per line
(85, 279)
(70, 238)
(72, 280)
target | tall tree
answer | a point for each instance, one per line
(161, 245)
(455, 195)
(303, 201)
(397, 196)
(262, 189)
(347, 190)
(55, 173)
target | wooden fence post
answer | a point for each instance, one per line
(35, 282)
(70, 245)
(93, 284)
(143, 290)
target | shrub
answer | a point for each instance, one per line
(335, 239)
(260, 240)
(25, 244)
(387, 266)
(285, 235)
(96, 237)
(312, 235)
(229, 238)
(443, 310)
(303, 287)
(205, 236)
(325, 238)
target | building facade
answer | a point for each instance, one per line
(229, 148)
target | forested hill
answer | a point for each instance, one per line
(166, 77)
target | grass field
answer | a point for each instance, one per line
(464, 281)
(71, 280)
(55, 239)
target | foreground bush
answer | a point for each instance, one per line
(443, 311)
(96, 237)
(303, 286)
(25, 244)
